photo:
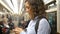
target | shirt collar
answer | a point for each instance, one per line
(36, 18)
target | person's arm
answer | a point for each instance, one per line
(29, 30)
(19, 31)
(43, 27)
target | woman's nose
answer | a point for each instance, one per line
(27, 9)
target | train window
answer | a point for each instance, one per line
(52, 18)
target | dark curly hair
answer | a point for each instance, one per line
(38, 7)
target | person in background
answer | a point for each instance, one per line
(1, 26)
(5, 28)
(11, 24)
(23, 24)
(36, 10)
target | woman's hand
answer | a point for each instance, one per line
(18, 30)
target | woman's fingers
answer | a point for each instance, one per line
(18, 30)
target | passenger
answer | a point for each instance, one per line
(1, 26)
(23, 24)
(36, 10)
(5, 26)
(11, 24)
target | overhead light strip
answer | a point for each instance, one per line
(52, 10)
(5, 6)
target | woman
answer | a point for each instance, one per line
(36, 10)
(5, 28)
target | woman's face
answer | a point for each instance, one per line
(28, 9)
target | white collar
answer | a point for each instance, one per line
(36, 18)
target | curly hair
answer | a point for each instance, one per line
(37, 6)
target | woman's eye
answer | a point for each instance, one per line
(27, 7)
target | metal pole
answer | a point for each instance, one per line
(58, 16)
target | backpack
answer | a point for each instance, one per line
(36, 25)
